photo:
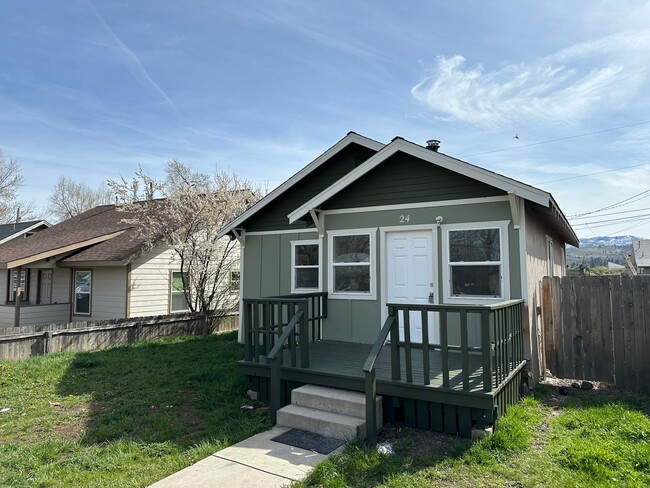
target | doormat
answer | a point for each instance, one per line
(309, 441)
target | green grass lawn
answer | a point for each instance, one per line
(122, 417)
(586, 439)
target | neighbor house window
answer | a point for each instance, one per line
(475, 264)
(233, 284)
(177, 299)
(352, 264)
(24, 285)
(305, 266)
(82, 292)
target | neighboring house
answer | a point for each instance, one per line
(371, 224)
(640, 256)
(21, 229)
(90, 267)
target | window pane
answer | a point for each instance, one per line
(82, 303)
(474, 245)
(307, 278)
(179, 302)
(306, 255)
(82, 281)
(476, 280)
(352, 249)
(352, 278)
(177, 281)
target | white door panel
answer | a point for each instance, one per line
(411, 272)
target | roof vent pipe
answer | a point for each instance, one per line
(433, 145)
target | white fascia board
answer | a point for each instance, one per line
(352, 137)
(493, 179)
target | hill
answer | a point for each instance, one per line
(598, 251)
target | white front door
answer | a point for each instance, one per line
(411, 278)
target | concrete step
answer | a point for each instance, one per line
(321, 422)
(334, 400)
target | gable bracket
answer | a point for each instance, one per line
(514, 209)
(318, 219)
(240, 236)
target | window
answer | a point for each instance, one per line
(233, 284)
(177, 299)
(82, 292)
(550, 257)
(24, 285)
(305, 266)
(352, 264)
(476, 262)
(45, 286)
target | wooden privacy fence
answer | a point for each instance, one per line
(598, 328)
(35, 340)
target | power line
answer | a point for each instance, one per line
(592, 174)
(620, 219)
(625, 201)
(560, 139)
(608, 214)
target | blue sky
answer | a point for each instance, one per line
(90, 90)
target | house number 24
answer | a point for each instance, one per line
(404, 218)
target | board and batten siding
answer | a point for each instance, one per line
(150, 282)
(108, 300)
(537, 267)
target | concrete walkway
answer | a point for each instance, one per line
(255, 462)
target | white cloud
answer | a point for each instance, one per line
(565, 86)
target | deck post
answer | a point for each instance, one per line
(247, 331)
(394, 346)
(304, 334)
(486, 351)
(371, 408)
(274, 390)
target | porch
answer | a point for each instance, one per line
(441, 385)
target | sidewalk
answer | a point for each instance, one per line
(254, 462)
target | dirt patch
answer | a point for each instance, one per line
(190, 419)
(421, 443)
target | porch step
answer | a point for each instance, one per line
(328, 411)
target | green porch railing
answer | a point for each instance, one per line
(274, 325)
(500, 347)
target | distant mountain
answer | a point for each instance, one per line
(612, 241)
(598, 251)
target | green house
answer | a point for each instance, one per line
(398, 270)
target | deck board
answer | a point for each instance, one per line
(347, 359)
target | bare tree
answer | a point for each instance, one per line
(70, 198)
(11, 179)
(187, 217)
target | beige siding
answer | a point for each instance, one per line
(3, 285)
(537, 267)
(61, 285)
(45, 314)
(150, 282)
(108, 296)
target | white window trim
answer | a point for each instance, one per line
(171, 291)
(502, 225)
(550, 256)
(306, 242)
(372, 295)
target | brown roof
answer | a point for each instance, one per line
(98, 234)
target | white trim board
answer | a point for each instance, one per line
(401, 145)
(313, 242)
(442, 203)
(350, 138)
(274, 232)
(372, 295)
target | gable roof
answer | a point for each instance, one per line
(99, 234)
(11, 231)
(350, 138)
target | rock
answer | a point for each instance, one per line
(246, 407)
(4, 410)
(252, 394)
(586, 385)
(55, 404)
(481, 433)
(563, 390)
(385, 448)
(575, 384)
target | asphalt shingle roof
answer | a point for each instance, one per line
(7, 230)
